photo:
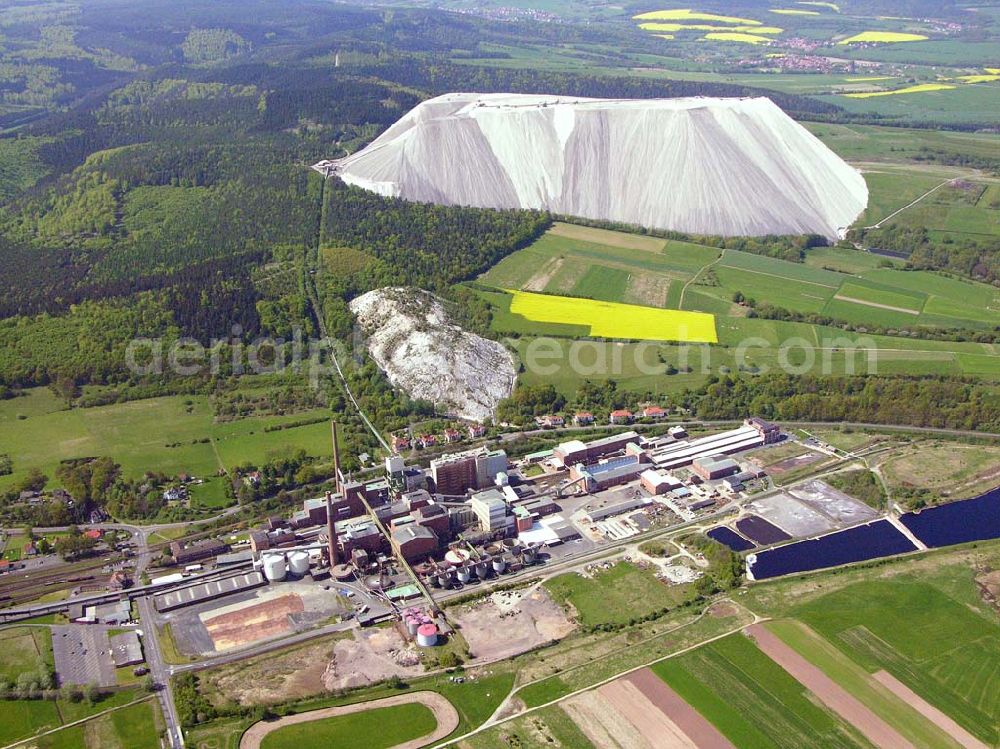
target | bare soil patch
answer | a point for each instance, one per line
(274, 677)
(647, 289)
(543, 275)
(935, 716)
(722, 610)
(506, 624)
(444, 713)
(603, 724)
(852, 710)
(653, 724)
(665, 700)
(253, 623)
(370, 656)
(609, 238)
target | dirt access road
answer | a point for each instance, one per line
(445, 715)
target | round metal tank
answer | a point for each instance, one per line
(412, 625)
(444, 579)
(427, 635)
(274, 567)
(435, 580)
(528, 555)
(464, 574)
(298, 563)
(481, 569)
(342, 572)
(499, 564)
(509, 543)
(494, 549)
(374, 582)
(457, 556)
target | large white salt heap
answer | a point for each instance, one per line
(697, 165)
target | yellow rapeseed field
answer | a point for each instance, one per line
(918, 89)
(657, 26)
(615, 320)
(817, 4)
(686, 14)
(882, 36)
(793, 12)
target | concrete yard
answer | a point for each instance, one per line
(82, 655)
(839, 507)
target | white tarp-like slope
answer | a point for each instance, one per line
(698, 165)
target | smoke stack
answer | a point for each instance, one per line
(336, 458)
(331, 535)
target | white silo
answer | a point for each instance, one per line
(298, 563)
(274, 567)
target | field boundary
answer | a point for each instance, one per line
(444, 713)
(842, 298)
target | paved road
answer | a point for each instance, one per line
(159, 672)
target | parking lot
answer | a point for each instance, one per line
(82, 654)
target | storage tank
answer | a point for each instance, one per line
(444, 579)
(274, 567)
(457, 557)
(464, 574)
(298, 563)
(482, 567)
(427, 635)
(528, 555)
(342, 572)
(499, 564)
(412, 625)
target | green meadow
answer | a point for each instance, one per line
(172, 434)
(944, 651)
(751, 699)
(838, 282)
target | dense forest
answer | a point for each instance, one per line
(154, 183)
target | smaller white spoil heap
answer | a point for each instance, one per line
(700, 165)
(429, 357)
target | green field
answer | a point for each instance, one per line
(171, 434)
(841, 667)
(942, 650)
(24, 649)
(381, 728)
(841, 283)
(751, 699)
(614, 596)
(24, 718)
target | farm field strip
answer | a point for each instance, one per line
(616, 320)
(851, 678)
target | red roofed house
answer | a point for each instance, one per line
(400, 443)
(653, 412)
(452, 435)
(476, 431)
(621, 416)
(583, 418)
(92, 533)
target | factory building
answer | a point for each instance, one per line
(413, 542)
(575, 451)
(715, 467)
(208, 591)
(768, 431)
(609, 472)
(672, 454)
(455, 474)
(490, 507)
(209, 547)
(126, 650)
(658, 482)
(605, 507)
